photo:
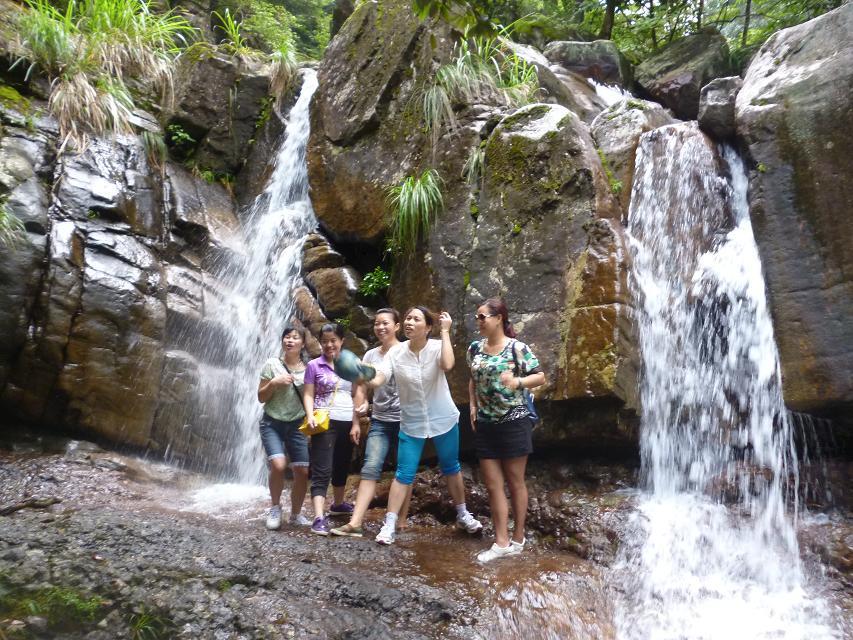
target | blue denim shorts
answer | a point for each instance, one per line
(380, 440)
(284, 438)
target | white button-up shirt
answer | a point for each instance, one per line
(426, 406)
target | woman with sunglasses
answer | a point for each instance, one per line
(427, 411)
(501, 369)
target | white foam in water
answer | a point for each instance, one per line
(610, 94)
(714, 424)
(227, 500)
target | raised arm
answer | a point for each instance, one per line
(446, 359)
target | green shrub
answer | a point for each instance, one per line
(375, 283)
(62, 607)
(231, 31)
(414, 205)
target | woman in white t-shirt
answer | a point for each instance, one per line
(384, 423)
(426, 411)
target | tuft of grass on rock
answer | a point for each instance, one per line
(414, 205)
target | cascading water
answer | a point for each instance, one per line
(258, 301)
(713, 552)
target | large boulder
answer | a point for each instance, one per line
(599, 60)
(794, 115)
(617, 134)
(528, 212)
(717, 107)
(675, 76)
(220, 104)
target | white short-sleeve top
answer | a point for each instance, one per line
(426, 406)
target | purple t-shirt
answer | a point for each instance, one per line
(339, 402)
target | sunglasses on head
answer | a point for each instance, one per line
(482, 316)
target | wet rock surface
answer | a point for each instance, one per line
(793, 114)
(137, 542)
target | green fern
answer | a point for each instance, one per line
(11, 228)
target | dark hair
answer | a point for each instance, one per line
(498, 307)
(335, 327)
(290, 329)
(428, 316)
(392, 312)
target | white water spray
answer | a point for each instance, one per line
(713, 552)
(258, 298)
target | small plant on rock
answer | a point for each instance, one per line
(414, 205)
(233, 40)
(11, 229)
(375, 283)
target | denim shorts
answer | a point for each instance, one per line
(284, 438)
(380, 440)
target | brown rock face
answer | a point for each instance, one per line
(538, 224)
(717, 107)
(599, 60)
(675, 76)
(794, 114)
(335, 289)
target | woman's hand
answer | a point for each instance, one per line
(510, 381)
(444, 321)
(282, 380)
(473, 418)
(309, 418)
(355, 433)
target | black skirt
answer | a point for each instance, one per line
(501, 440)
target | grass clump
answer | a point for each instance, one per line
(483, 70)
(146, 625)
(11, 228)
(414, 205)
(64, 609)
(89, 49)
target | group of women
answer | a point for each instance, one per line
(411, 403)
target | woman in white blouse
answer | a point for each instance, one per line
(426, 411)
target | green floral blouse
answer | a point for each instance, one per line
(494, 400)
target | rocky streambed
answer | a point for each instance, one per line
(94, 544)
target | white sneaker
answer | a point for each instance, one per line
(494, 552)
(274, 518)
(387, 534)
(518, 546)
(469, 523)
(299, 519)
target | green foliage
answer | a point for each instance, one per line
(11, 228)
(375, 283)
(284, 71)
(302, 26)
(63, 608)
(639, 28)
(516, 228)
(473, 16)
(414, 205)
(230, 29)
(179, 141)
(88, 49)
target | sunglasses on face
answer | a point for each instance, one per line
(482, 316)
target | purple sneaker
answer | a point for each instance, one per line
(342, 509)
(320, 527)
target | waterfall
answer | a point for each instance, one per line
(256, 301)
(713, 551)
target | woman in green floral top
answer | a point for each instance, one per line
(501, 368)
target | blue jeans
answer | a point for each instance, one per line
(379, 441)
(280, 437)
(409, 454)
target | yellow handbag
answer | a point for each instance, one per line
(321, 423)
(321, 418)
